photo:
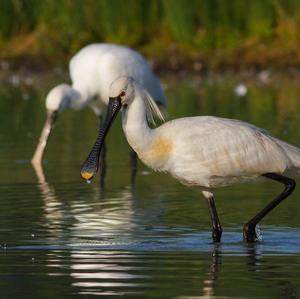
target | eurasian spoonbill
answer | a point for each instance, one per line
(205, 152)
(92, 70)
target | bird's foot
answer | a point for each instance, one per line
(252, 233)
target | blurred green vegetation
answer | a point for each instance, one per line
(218, 32)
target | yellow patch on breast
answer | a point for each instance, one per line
(158, 152)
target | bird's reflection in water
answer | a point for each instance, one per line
(108, 272)
(123, 272)
(253, 260)
(104, 222)
(51, 204)
(212, 275)
(108, 219)
(101, 217)
(268, 272)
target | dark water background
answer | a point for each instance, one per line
(63, 238)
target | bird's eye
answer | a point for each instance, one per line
(122, 94)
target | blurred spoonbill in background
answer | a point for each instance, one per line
(204, 152)
(92, 70)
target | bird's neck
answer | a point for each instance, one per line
(79, 98)
(138, 133)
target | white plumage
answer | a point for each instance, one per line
(92, 70)
(210, 152)
(96, 66)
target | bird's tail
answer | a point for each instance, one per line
(293, 155)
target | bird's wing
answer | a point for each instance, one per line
(223, 148)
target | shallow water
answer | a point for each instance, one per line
(63, 238)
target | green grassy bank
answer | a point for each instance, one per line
(174, 33)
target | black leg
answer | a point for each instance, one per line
(216, 225)
(290, 184)
(133, 165)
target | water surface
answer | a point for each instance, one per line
(63, 238)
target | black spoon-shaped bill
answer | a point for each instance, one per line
(90, 166)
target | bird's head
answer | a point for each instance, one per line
(123, 89)
(59, 98)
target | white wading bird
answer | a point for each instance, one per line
(92, 70)
(205, 152)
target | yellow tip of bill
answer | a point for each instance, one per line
(87, 175)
